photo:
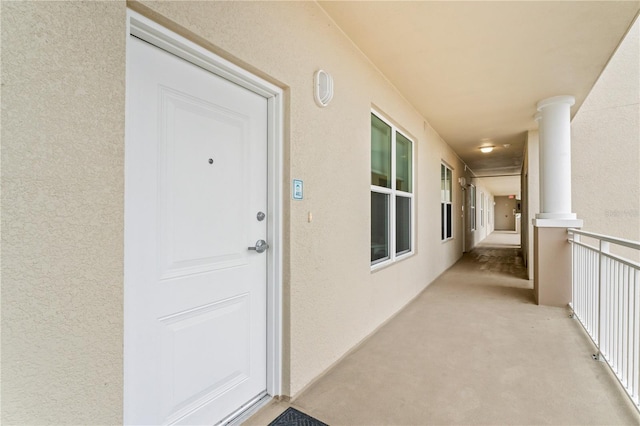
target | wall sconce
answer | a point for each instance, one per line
(323, 88)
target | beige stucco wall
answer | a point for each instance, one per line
(606, 147)
(62, 209)
(530, 187)
(63, 85)
(552, 276)
(335, 300)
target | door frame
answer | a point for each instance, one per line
(157, 35)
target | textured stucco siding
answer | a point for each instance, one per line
(605, 154)
(63, 112)
(63, 85)
(335, 301)
(530, 196)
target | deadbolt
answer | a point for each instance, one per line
(260, 216)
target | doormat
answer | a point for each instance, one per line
(293, 417)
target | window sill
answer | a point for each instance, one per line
(387, 263)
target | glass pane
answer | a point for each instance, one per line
(472, 206)
(449, 227)
(473, 196)
(403, 225)
(379, 226)
(380, 153)
(449, 184)
(403, 163)
(443, 183)
(443, 220)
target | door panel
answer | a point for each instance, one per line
(505, 219)
(191, 215)
(195, 297)
(188, 352)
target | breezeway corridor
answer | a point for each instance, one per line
(473, 348)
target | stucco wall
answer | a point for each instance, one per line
(530, 196)
(63, 85)
(62, 209)
(605, 154)
(335, 300)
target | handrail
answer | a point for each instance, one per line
(609, 255)
(620, 241)
(606, 301)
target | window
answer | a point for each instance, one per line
(482, 209)
(391, 192)
(472, 207)
(446, 226)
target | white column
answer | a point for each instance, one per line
(552, 252)
(555, 158)
(538, 118)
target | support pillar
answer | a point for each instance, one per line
(538, 118)
(552, 251)
(555, 158)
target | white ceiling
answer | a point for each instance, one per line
(475, 70)
(503, 185)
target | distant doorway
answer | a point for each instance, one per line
(505, 213)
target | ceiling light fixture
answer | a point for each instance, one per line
(486, 149)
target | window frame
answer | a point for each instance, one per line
(393, 194)
(482, 209)
(472, 207)
(444, 203)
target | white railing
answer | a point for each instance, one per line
(606, 301)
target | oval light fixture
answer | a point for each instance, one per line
(323, 88)
(486, 149)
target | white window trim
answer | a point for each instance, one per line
(472, 207)
(482, 209)
(445, 239)
(392, 192)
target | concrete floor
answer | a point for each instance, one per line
(471, 349)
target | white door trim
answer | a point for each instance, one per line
(153, 33)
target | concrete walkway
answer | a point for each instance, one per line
(471, 349)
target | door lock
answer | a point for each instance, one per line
(261, 246)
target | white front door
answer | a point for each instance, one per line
(195, 296)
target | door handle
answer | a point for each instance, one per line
(261, 246)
